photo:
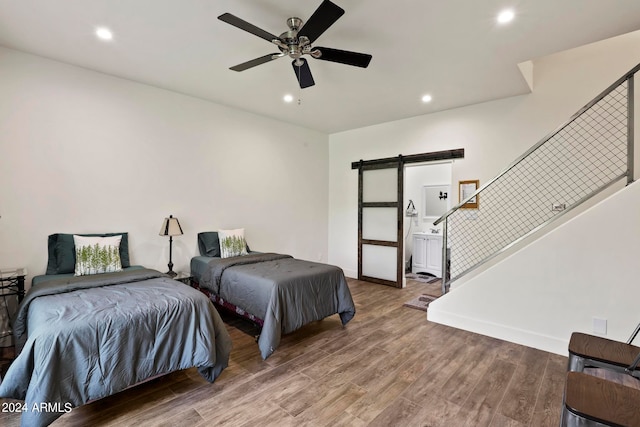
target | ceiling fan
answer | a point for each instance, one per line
(297, 42)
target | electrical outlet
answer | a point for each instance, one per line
(599, 326)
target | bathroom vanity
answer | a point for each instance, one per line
(427, 253)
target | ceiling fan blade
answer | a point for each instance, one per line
(257, 61)
(325, 16)
(244, 25)
(303, 73)
(344, 57)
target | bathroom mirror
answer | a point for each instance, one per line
(436, 201)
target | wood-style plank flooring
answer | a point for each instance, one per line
(388, 367)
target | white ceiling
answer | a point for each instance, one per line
(452, 49)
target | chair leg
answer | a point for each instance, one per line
(576, 363)
(569, 419)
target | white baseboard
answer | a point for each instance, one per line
(500, 331)
(352, 274)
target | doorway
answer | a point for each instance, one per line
(381, 257)
(428, 196)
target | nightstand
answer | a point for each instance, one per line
(11, 293)
(183, 277)
(12, 282)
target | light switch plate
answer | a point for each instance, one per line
(599, 326)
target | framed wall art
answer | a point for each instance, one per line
(465, 190)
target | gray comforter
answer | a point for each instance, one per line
(286, 293)
(89, 337)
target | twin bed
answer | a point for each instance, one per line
(82, 338)
(278, 292)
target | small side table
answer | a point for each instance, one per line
(12, 279)
(11, 284)
(184, 277)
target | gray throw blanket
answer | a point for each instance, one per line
(70, 284)
(213, 277)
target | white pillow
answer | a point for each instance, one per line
(232, 243)
(96, 255)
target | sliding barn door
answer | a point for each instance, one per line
(380, 239)
(380, 214)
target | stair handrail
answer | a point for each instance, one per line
(590, 104)
(629, 172)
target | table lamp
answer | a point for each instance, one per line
(171, 227)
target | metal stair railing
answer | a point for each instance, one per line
(587, 154)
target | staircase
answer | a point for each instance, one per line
(583, 157)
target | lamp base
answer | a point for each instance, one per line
(170, 273)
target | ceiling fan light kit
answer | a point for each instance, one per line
(298, 40)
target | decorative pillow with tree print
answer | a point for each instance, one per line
(232, 243)
(95, 255)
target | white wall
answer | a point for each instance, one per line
(539, 296)
(86, 152)
(493, 134)
(587, 268)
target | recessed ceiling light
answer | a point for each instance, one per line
(104, 33)
(426, 98)
(506, 16)
(288, 98)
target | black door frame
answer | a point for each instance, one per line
(388, 163)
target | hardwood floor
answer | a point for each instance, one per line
(388, 367)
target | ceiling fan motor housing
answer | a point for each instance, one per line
(290, 44)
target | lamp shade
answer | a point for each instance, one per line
(171, 227)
